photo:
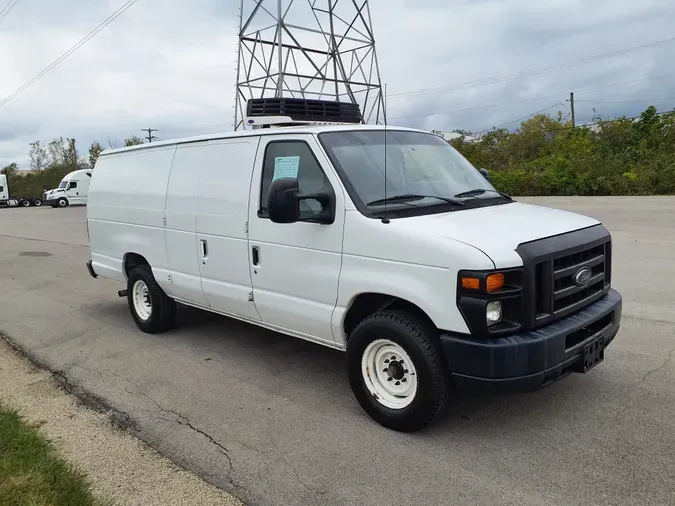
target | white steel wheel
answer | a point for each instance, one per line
(141, 299)
(389, 374)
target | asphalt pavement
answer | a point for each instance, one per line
(271, 418)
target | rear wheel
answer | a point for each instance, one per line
(37, 202)
(25, 203)
(152, 310)
(397, 371)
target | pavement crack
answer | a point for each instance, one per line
(183, 420)
(645, 377)
(665, 364)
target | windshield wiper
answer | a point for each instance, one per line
(414, 196)
(480, 191)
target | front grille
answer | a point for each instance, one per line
(549, 267)
(557, 294)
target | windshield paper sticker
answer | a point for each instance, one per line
(286, 166)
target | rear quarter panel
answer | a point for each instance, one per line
(125, 211)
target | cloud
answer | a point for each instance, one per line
(170, 64)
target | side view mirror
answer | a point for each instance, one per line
(485, 173)
(283, 203)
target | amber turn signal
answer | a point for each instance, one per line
(471, 283)
(494, 282)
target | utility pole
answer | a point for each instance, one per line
(150, 130)
(572, 109)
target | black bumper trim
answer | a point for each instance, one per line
(529, 359)
(90, 268)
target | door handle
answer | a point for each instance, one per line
(205, 250)
(255, 252)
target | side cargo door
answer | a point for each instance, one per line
(224, 168)
(295, 267)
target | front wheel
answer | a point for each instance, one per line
(397, 371)
(62, 202)
(152, 310)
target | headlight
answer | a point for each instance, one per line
(491, 301)
(493, 312)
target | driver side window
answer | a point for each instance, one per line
(293, 158)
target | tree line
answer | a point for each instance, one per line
(49, 163)
(547, 156)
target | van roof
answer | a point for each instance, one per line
(305, 129)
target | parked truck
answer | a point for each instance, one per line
(73, 190)
(7, 201)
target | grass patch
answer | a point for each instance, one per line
(31, 473)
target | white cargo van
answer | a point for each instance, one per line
(431, 281)
(73, 190)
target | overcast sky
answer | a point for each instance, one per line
(170, 64)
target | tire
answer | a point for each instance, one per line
(37, 202)
(152, 310)
(25, 203)
(397, 334)
(62, 202)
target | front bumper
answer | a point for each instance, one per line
(530, 360)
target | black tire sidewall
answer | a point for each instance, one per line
(422, 409)
(140, 275)
(163, 309)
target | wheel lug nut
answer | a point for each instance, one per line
(404, 380)
(386, 361)
(406, 371)
(386, 369)
(398, 383)
(389, 379)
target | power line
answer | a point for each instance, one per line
(7, 9)
(521, 119)
(585, 125)
(533, 98)
(626, 101)
(150, 137)
(77, 46)
(532, 72)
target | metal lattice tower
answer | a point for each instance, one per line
(312, 49)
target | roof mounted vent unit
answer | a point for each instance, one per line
(278, 112)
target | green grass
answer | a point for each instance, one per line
(31, 473)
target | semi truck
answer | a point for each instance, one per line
(72, 190)
(7, 201)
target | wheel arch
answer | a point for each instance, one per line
(132, 260)
(369, 303)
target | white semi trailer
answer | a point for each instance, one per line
(7, 201)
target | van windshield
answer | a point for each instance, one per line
(418, 164)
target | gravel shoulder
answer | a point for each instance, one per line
(120, 467)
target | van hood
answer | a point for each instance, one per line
(498, 230)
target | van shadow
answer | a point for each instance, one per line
(314, 376)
